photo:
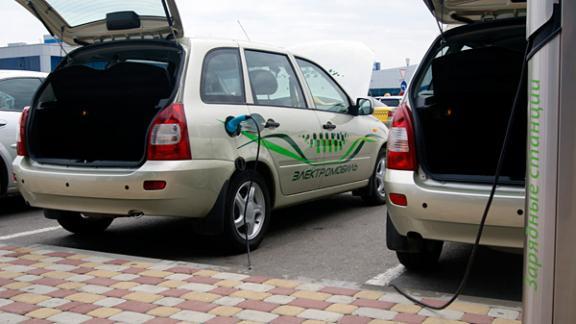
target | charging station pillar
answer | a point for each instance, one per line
(550, 250)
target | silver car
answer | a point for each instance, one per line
(16, 91)
(446, 137)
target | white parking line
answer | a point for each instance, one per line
(384, 279)
(28, 233)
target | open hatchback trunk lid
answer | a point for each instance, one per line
(82, 22)
(468, 11)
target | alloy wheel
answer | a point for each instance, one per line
(255, 212)
(379, 176)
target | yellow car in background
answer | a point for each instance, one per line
(383, 112)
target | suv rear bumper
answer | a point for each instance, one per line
(191, 191)
(452, 212)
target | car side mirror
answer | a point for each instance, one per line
(363, 107)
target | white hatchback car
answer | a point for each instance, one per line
(446, 137)
(132, 123)
(17, 89)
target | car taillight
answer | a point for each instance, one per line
(401, 149)
(168, 138)
(21, 143)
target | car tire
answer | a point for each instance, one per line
(423, 260)
(3, 178)
(77, 223)
(374, 194)
(258, 216)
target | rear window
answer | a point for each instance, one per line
(222, 81)
(15, 94)
(80, 12)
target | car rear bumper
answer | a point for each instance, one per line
(452, 212)
(192, 187)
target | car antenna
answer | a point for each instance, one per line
(244, 30)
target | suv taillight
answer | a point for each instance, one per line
(401, 148)
(21, 144)
(168, 138)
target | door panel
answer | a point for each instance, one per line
(354, 160)
(346, 139)
(278, 97)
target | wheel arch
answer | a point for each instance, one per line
(266, 171)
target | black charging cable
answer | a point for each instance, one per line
(248, 252)
(503, 154)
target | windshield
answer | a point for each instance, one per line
(80, 12)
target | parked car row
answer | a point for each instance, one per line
(131, 124)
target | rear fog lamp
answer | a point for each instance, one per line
(398, 199)
(154, 185)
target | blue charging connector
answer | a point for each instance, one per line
(232, 124)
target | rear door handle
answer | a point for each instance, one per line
(329, 126)
(3, 123)
(271, 124)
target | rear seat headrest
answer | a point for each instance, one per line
(263, 82)
(127, 79)
(144, 79)
(75, 81)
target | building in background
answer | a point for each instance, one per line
(389, 81)
(33, 57)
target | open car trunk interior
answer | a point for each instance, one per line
(96, 108)
(464, 106)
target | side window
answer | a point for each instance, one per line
(222, 81)
(15, 94)
(273, 80)
(326, 93)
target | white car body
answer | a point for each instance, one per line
(311, 152)
(10, 117)
(433, 210)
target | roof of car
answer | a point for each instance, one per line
(4, 74)
(217, 42)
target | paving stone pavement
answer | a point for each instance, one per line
(47, 285)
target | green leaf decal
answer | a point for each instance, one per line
(293, 151)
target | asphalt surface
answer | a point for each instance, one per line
(337, 241)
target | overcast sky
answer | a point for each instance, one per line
(393, 29)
